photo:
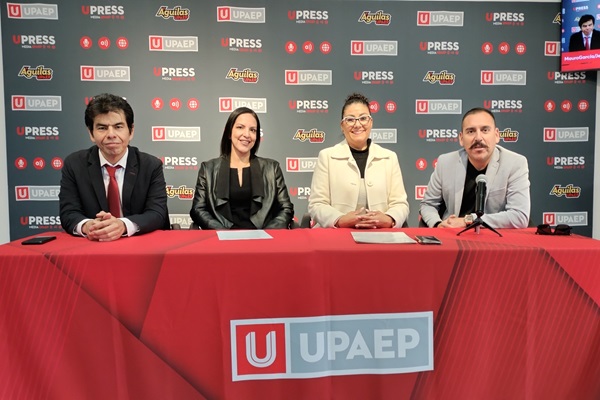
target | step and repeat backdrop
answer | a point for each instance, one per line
(185, 65)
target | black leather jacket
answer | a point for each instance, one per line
(271, 206)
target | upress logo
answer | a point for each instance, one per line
(182, 192)
(503, 77)
(572, 134)
(440, 18)
(40, 221)
(384, 135)
(241, 15)
(183, 220)
(561, 78)
(104, 12)
(179, 163)
(177, 13)
(175, 73)
(374, 77)
(114, 73)
(504, 105)
(173, 43)
(309, 16)
(243, 45)
(333, 345)
(509, 136)
(38, 132)
(442, 135)
(313, 136)
(300, 164)
(577, 162)
(175, 133)
(308, 77)
(379, 18)
(577, 218)
(443, 77)
(506, 18)
(246, 75)
(440, 48)
(36, 103)
(37, 193)
(374, 47)
(228, 104)
(301, 193)
(40, 73)
(32, 11)
(448, 106)
(309, 106)
(569, 192)
(35, 41)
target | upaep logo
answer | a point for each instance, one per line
(576, 218)
(573, 134)
(228, 104)
(300, 164)
(241, 15)
(32, 11)
(311, 347)
(449, 106)
(440, 18)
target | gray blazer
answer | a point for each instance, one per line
(507, 203)
(271, 206)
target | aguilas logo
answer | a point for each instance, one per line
(313, 136)
(40, 73)
(246, 76)
(380, 18)
(177, 13)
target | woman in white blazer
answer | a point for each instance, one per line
(357, 183)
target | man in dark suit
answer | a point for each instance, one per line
(586, 36)
(139, 183)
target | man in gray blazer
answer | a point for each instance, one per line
(449, 201)
(85, 201)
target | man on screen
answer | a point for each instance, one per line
(450, 198)
(112, 190)
(587, 38)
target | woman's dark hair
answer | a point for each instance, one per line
(355, 98)
(105, 103)
(226, 139)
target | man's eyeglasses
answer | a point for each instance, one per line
(561, 229)
(363, 119)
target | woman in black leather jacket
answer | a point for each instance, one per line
(240, 190)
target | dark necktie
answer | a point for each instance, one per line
(587, 43)
(114, 203)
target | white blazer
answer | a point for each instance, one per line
(336, 179)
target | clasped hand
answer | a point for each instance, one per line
(104, 228)
(365, 219)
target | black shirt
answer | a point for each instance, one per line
(468, 201)
(361, 156)
(240, 198)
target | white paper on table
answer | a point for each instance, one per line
(382, 237)
(249, 234)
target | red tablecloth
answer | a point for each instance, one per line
(150, 317)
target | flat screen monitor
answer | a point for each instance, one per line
(580, 37)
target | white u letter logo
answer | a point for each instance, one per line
(270, 353)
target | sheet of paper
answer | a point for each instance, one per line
(382, 237)
(243, 234)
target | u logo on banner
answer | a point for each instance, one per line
(270, 350)
(422, 106)
(18, 103)
(14, 10)
(291, 77)
(224, 13)
(423, 18)
(487, 77)
(358, 47)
